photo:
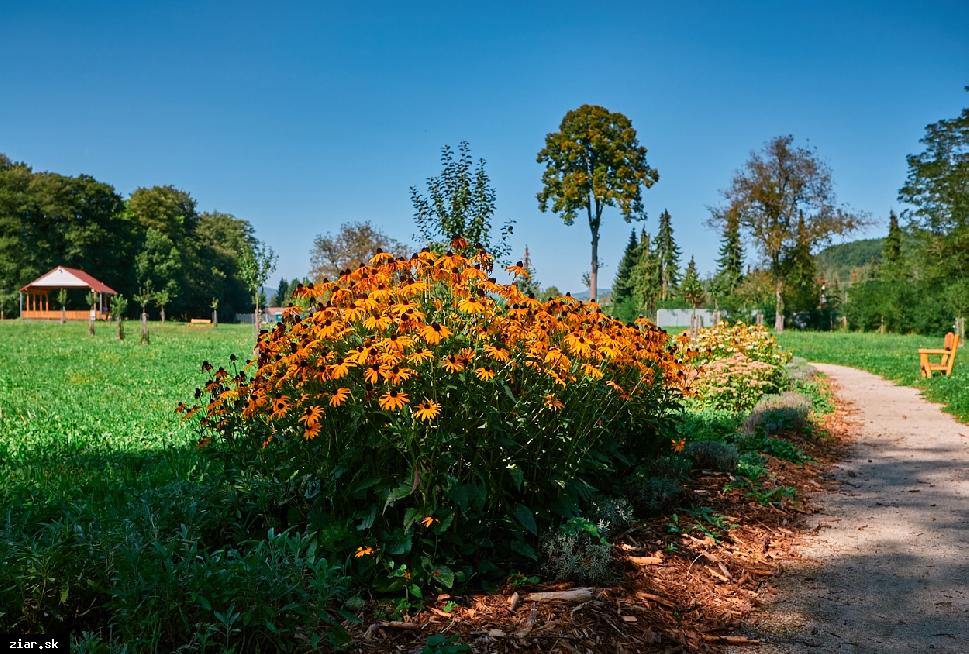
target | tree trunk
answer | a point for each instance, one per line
(120, 329)
(215, 317)
(90, 327)
(144, 327)
(594, 273)
(778, 307)
(63, 316)
(163, 315)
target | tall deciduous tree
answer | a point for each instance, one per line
(937, 188)
(667, 256)
(595, 160)
(775, 186)
(460, 202)
(257, 264)
(801, 290)
(169, 258)
(222, 238)
(353, 244)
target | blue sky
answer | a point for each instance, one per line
(301, 116)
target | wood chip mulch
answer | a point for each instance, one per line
(698, 598)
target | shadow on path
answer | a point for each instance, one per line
(887, 568)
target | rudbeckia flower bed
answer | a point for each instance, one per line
(441, 419)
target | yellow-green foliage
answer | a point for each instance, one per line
(734, 365)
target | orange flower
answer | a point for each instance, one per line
(397, 375)
(420, 356)
(372, 374)
(678, 445)
(428, 521)
(453, 363)
(312, 431)
(339, 396)
(362, 552)
(381, 322)
(427, 410)
(471, 305)
(339, 370)
(312, 415)
(435, 333)
(280, 407)
(393, 400)
(553, 403)
(497, 353)
(484, 374)
(518, 270)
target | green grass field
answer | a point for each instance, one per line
(891, 356)
(95, 406)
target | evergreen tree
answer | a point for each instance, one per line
(892, 249)
(282, 293)
(622, 286)
(646, 277)
(692, 287)
(731, 261)
(668, 256)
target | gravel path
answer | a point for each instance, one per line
(887, 568)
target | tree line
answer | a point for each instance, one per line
(154, 246)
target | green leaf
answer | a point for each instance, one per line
(443, 575)
(516, 476)
(525, 516)
(524, 549)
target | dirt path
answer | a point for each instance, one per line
(887, 569)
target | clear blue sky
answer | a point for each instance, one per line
(302, 116)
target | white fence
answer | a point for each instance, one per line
(681, 317)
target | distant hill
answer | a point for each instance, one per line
(837, 261)
(604, 293)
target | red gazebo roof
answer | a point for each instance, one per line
(63, 277)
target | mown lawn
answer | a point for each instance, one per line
(78, 413)
(892, 356)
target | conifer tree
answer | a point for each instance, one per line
(692, 287)
(622, 286)
(731, 262)
(692, 291)
(668, 256)
(645, 277)
(892, 250)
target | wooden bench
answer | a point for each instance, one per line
(200, 321)
(947, 357)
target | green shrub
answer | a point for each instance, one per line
(432, 423)
(611, 514)
(277, 590)
(776, 414)
(712, 455)
(578, 552)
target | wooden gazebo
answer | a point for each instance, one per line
(35, 296)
